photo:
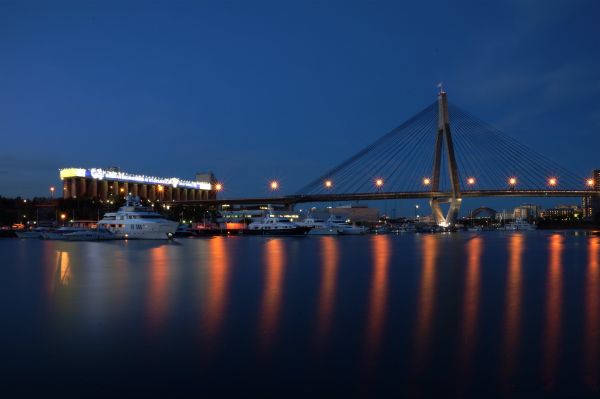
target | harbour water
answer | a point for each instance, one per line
(487, 314)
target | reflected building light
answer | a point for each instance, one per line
(591, 341)
(378, 293)
(329, 267)
(513, 298)
(272, 292)
(552, 324)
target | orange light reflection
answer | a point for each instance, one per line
(592, 316)
(329, 260)
(273, 291)
(426, 301)
(381, 253)
(512, 318)
(158, 287)
(553, 311)
(216, 294)
(470, 305)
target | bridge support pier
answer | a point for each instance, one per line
(444, 139)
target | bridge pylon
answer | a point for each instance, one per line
(444, 139)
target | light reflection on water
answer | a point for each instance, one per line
(512, 308)
(553, 327)
(411, 309)
(426, 301)
(378, 292)
(329, 267)
(215, 303)
(592, 316)
(271, 302)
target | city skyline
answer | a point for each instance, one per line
(175, 90)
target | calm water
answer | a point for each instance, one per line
(421, 315)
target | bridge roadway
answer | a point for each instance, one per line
(297, 199)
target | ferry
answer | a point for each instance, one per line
(134, 221)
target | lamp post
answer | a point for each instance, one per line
(52, 192)
(416, 209)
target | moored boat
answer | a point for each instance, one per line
(134, 221)
(275, 226)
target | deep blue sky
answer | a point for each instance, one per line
(256, 90)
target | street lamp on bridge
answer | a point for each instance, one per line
(274, 185)
(590, 183)
(552, 182)
(379, 182)
(328, 183)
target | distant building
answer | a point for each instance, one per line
(354, 212)
(591, 205)
(561, 212)
(526, 211)
(111, 183)
(505, 215)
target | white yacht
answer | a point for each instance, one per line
(134, 221)
(318, 227)
(343, 227)
(271, 225)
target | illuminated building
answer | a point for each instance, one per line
(527, 211)
(561, 212)
(111, 183)
(591, 205)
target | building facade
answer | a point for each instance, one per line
(591, 205)
(110, 183)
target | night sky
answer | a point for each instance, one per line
(255, 90)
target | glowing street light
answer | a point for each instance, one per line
(512, 181)
(160, 189)
(328, 184)
(426, 181)
(274, 185)
(379, 182)
(52, 192)
(218, 187)
(471, 181)
(121, 190)
(590, 182)
(552, 181)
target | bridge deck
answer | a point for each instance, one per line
(297, 199)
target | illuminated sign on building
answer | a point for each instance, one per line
(101, 174)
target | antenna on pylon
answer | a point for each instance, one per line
(441, 87)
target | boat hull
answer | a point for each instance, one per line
(296, 231)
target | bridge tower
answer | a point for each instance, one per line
(444, 139)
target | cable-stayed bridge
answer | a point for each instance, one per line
(442, 153)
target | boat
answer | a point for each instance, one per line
(520, 225)
(34, 233)
(318, 227)
(343, 227)
(57, 234)
(275, 226)
(185, 231)
(134, 221)
(99, 234)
